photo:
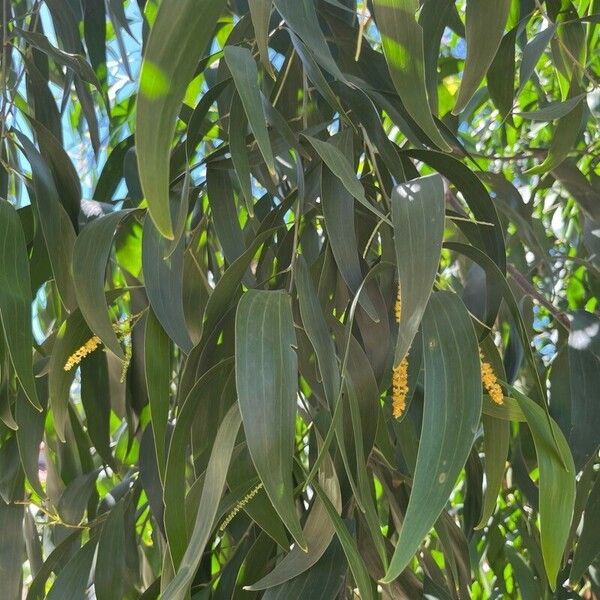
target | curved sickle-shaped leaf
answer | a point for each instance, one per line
(556, 484)
(584, 364)
(301, 16)
(318, 532)
(338, 210)
(175, 480)
(179, 37)
(322, 582)
(451, 416)
(245, 76)
(317, 331)
(214, 482)
(15, 298)
(355, 561)
(484, 25)
(90, 255)
(402, 39)
(260, 13)
(157, 369)
(55, 224)
(266, 369)
(11, 549)
(418, 217)
(588, 546)
(164, 283)
(72, 581)
(565, 136)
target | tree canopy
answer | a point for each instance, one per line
(299, 299)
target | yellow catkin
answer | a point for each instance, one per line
(240, 505)
(82, 352)
(490, 382)
(399, 387)
(398, 306)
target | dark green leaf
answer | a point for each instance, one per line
(267, 386)
(179, 37)
(450, 420)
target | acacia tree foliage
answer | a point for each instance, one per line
(302, 305)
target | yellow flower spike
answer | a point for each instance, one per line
(398, 306)
(82, 352)
(490, 382)
(399, 387)
(240, 505)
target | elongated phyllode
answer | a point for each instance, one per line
(490, 382)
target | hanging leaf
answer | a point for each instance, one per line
(15, 299)
(418, 216)
(450, 419)
(266, 376)
(402, 39)
(180, 35)
(484, 25)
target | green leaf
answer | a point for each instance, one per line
(532, 54)
(321, 582)
(556, 484)
(484, 25)
(175, 473)
(178, 39)
(164, 283)
(501, 74)
(157, 369)
(317, 331)
(54, 221)
(318, 532)
(584, 366)
(260, 13)
(11, 549)
(301, 16)
(77, 63)
(95, 397)
(338, 164)
(15, 299)
(224, 295)
(267, 385)
(588, 546)
(402, 39)
(72, 581)
(90, 255)
(29, 434)
(338, 210)
(418, 217)
(224, 213)
(245, 76)
(110, 571)
(565, 136)
(238, 125)
(452, 408)
(214, 482)
(552, 110)
(355, 561)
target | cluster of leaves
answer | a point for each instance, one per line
(200, 258)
